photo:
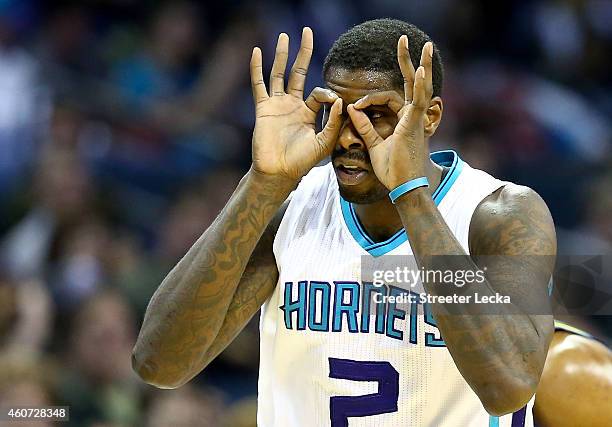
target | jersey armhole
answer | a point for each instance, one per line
(498, 186)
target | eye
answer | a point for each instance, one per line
(375, 115)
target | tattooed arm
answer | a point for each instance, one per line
(500, 350)
(255, 287)
(208, 297)
(206, 300)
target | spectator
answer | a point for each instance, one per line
(100, 386)
(62, 196)
(26, 380)
(187, 407)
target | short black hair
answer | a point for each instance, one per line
(372, 45)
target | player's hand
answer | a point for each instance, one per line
(285, 143)
(403, 155)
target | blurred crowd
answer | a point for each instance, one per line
(125, 125)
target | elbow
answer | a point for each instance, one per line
(153, 374)
(505, 398)
(507, 390)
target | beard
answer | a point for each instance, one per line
(375, 192)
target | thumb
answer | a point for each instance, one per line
(328, 136)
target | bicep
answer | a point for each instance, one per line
(512, 234)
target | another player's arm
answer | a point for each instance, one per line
(208, 297)
(576, 384)
(501, 356)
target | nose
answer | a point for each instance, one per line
(349, 138)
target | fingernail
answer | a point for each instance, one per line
(431, 49)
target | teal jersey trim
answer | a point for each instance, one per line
(561, 326)
(448, 158)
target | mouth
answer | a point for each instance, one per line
(350, 173)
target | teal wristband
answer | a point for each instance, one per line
(406, 187)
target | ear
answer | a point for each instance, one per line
(433, 116)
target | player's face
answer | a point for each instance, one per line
(356, 178)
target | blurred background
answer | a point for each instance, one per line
(125, 125)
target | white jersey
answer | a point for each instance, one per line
(327, 359)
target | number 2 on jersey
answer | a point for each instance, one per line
(385, 401)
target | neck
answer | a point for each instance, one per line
(380, 219)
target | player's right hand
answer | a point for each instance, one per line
(285, 143)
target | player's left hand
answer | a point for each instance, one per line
(403, 155)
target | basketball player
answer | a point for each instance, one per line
(292, 238)
(576, 385)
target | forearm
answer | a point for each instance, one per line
(189, 307)
(496, 352)
(247, 300)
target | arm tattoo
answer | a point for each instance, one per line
(255, 287)
(513, 231)
(199, 296)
